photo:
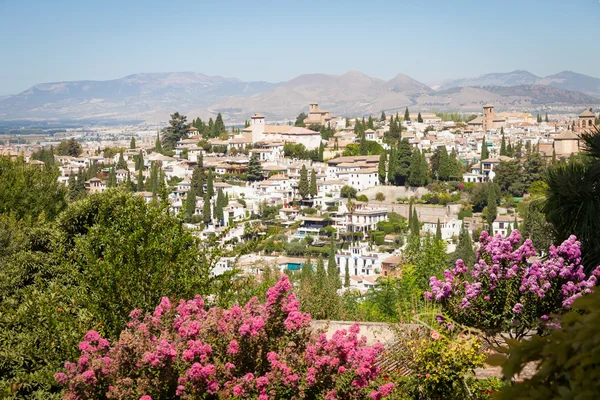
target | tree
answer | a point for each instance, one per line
(419, 118)
(313, 184)
(321, 151)
(573, 198)
(348, 192)
(546, 119)
(198, 177)
(121, 164)
(503, 145)
(508, 178)
(210, 184)
(391, 170)
(381, 168)
(380, 197)
(300, 120)
(503, 287)
(445, 168)
(438, 231)
(332, 270)
(139, 162)
(406, 115)
(140, 180)
(206, 215)
(383, 118)
(69, 147)
(220, 203)
(485, 154)
(418, 169)
(347, 277)
(190, 204)
(112, 179)
(176, 131)
(464, 249)
(132, 143)
(303, 184)
(492, 208)
(255, 169)
(158, 144)
(29, 192)
(402, 166)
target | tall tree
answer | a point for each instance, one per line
(158, 144)
(503, 145)
(438, 231)
(139, 161)
(303, 184)
(111, 182)
(418, 169)
(300, 120)
(255, 169)
(406, 115)
(464, 249)
(492, 207)
(210, 184)
(206, 215)
(419, 118)
(485, 153)
(190, 204)
(402, 167)
(391, 171)
(219, 126)
(347, 276)
(121, 164)
(132, 143)
(69, 147)
(321, 151)
(444, 162)
(381, 167)
(313, 184)
(382, 119)
(140, 180)
(176, 131)
(416, 224)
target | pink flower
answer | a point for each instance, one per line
(238, 391)
(434, 335)
(145, 397)
(89, 376)
(60, 378)
(234, 347)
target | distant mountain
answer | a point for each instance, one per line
(573, 81)
(139, 96)
(514, 78)
(563, 80)
(152, 97)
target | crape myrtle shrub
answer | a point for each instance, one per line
(259, 351)
(504, 292)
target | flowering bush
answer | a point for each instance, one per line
(259, 351)
(503, 292)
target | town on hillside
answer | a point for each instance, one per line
(365, 181)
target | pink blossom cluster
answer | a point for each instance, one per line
(259, 351)
(506, 286)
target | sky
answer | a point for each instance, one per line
(429, 40)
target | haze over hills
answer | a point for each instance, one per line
(153, 96)
(563, 80)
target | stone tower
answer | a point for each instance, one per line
(488, 117)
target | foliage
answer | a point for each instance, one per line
(568, 365)
(480, 195)
(300, 119)
(303, 184)
(503, 292)
(69, 147)
(348, 192)
(260, 350)
(572, 203)
(442, 360)
(29, 191)
(255, 169)
(176, 131)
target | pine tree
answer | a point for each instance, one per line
(438, 231)
(406, 115)
(381, 167)
(419, 118)
(190, 204)
(219, 126)
(303, 184)
(121, 164)
(363, 146)
(132, 143)
(210, 184)
(382, 119)
(255, 169)
(418, 169)
(206, 215)
(313, 184)
(444, 165)
(402, 166)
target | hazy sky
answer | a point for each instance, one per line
(55, 40)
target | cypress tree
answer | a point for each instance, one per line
(321, 151)
(158, 144)
(190, 204)
(381, 167)
(416, 225)
(139, 162)
(391, 172)
(132, 143)
(444, 169)
(206, 215)
(121, 164)
(347, 276)
(382, 119)
(209, 184)
(503, 146)
(313, 184)
(406, 115)
(485, 154)
(402, 167)
(492, 208)
(419, 118)
(546, 119)
(140, 180)
(303, 184)
(306, 273)
(219, 206)
(332, 270)
(438, 231)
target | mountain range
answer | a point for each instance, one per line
(153, 96)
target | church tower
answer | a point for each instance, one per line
(488, 117)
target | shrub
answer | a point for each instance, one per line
(503, 292)
(261, 350)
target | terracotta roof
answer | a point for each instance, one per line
(257, 115)
(587, 113)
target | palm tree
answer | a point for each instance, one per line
(573, 198)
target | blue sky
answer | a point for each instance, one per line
(55, 40)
